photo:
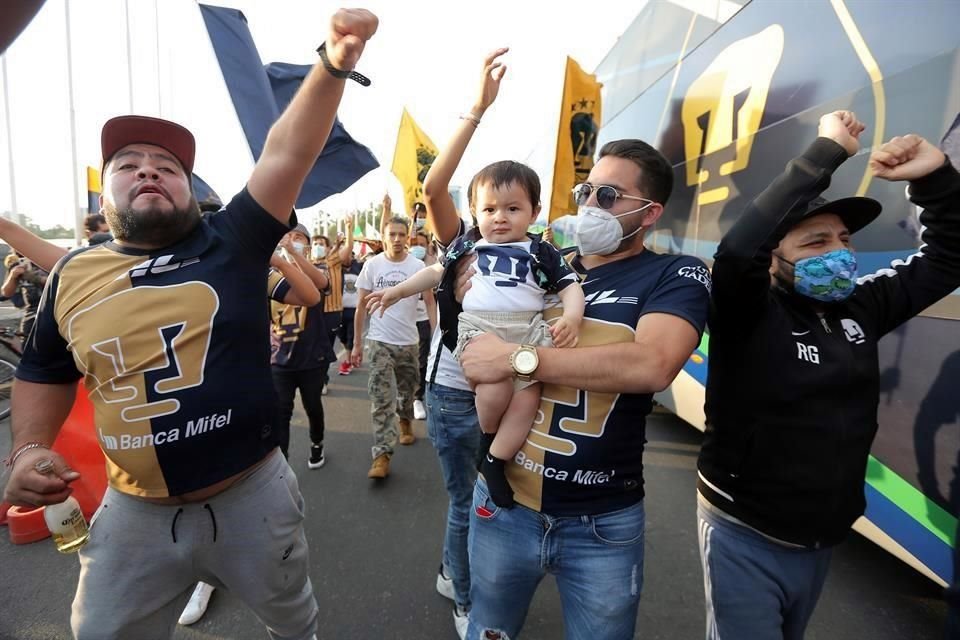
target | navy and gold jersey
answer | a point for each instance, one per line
(173, 348)
(584, 455)
(298, 335)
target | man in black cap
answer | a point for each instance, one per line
(792, 390)
(166, 328)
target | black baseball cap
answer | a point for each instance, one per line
(856, 212)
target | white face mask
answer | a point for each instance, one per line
(598, 232)
(418, 252)
(298, 247)
(319, 252)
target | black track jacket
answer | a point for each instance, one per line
(791, 398)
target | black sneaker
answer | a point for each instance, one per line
(316, 457)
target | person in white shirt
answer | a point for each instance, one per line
(392, 341)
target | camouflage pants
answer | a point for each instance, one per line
(393, 370)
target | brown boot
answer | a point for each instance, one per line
(406, 432)
(380, 468)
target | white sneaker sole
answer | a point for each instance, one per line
(197, 605)
(316, 465)
(445, 587)
(461, 623)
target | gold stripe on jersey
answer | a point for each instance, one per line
(527, 479)
(117, 334)
(334, 301)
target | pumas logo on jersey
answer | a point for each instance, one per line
(157, 266)
(853, 331)
(700, 274)
(607, 297)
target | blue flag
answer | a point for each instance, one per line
(260, 94)
(207, 198)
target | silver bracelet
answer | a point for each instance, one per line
(471, 117)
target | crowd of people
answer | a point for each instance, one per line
(535, 395)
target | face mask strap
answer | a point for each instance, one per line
(780, 257)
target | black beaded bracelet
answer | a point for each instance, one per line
(340, 73)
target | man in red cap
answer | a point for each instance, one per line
(792, 391)
(162, 326)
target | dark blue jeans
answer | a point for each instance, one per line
(597, 561)
(455, 432)
(756, 588)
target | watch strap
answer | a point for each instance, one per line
(340, 73)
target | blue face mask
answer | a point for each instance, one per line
(829, 277)
(418, 252)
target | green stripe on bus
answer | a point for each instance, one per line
(704, 343)
(903, 494)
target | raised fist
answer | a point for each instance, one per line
(843, 128)
(349, 31)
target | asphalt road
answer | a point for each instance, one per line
(375, 550)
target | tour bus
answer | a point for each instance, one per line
(730, 92)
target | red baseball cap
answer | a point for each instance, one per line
(123, 130)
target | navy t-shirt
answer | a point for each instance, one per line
(584, 455)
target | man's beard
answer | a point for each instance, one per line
(152, 227)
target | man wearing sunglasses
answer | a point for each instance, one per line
(792, 391)
(578, 480)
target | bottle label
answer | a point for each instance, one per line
(67, 524)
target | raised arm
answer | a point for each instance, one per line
(40, 252)
(316, 276)
(441, 212)
(741, 276)
(346, 251)
(303, 292)
(299, 135)
(909, 286)
(431, 301)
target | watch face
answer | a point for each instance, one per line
(526, 361)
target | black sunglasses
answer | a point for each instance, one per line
(606, 195)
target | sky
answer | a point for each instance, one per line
(426, 56)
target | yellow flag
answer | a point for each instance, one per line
(412, 159)
(93, 180)
(576, 138)
(93, 190)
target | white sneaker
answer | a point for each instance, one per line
(197, 605)
(323, 391)
(419, 411)
(444, 584)
(461, 621)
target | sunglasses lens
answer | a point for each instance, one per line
(606, 197)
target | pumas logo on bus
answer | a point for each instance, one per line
(722, 111)
(162, 264)
(853, 331)
(607, 297)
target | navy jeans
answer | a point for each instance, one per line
(455, 432)
(597, 561)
